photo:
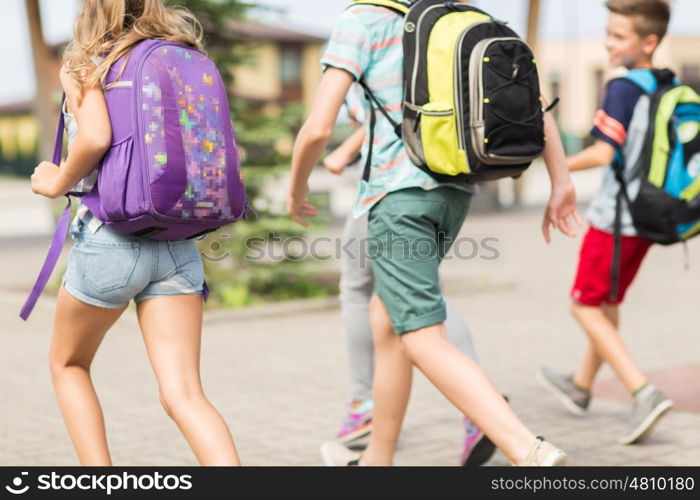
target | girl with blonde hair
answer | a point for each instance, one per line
(107, 269)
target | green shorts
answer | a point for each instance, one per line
(409, 233)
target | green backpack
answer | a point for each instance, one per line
(666, 208)
(472, 109)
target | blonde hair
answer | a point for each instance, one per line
(109, 28)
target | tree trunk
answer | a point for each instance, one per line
(533, 22)
(47, 81)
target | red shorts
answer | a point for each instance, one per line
(594, 278)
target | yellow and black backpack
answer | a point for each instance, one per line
(472, 109)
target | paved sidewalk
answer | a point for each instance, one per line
(22, 213)
(279, 377)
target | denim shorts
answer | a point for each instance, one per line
(108, 269)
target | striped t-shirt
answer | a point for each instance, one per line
(366, 42)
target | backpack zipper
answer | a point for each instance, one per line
(118, 84)
(478, 59)
(414, 77)
(459, 97)
(137, 107)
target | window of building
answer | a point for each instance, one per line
(290, 72)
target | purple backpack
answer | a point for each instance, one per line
(172, 171)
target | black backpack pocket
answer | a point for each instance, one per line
(506, 117)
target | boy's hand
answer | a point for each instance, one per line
(561, 212)
(45, 180)
(298, 206)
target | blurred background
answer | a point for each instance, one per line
(274, 358)
(269, 50)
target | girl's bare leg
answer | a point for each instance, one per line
(78, 331)
(172, 330)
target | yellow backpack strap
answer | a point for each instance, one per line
(400, 6)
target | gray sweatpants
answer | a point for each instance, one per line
(356, 288)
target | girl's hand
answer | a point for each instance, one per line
(298, 206)
(345, 154)
(333, 164)
(45, 180)
(561, 211)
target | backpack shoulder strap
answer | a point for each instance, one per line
(57, 242)
(59, 236)
(621, 197)
(400, 6)
(651, 80)
(374, 104)
(373, 101)
(645, 79)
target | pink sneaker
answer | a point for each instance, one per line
(357, 423)
(478, 448)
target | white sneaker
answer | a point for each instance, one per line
(544, 454)
(335, 454)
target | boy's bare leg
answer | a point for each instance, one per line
(391, 387)
(466, 385)
(592, 361)
(608, 344)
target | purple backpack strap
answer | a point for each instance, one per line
(205, 291)
(59, 237)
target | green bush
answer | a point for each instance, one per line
(238, 280)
